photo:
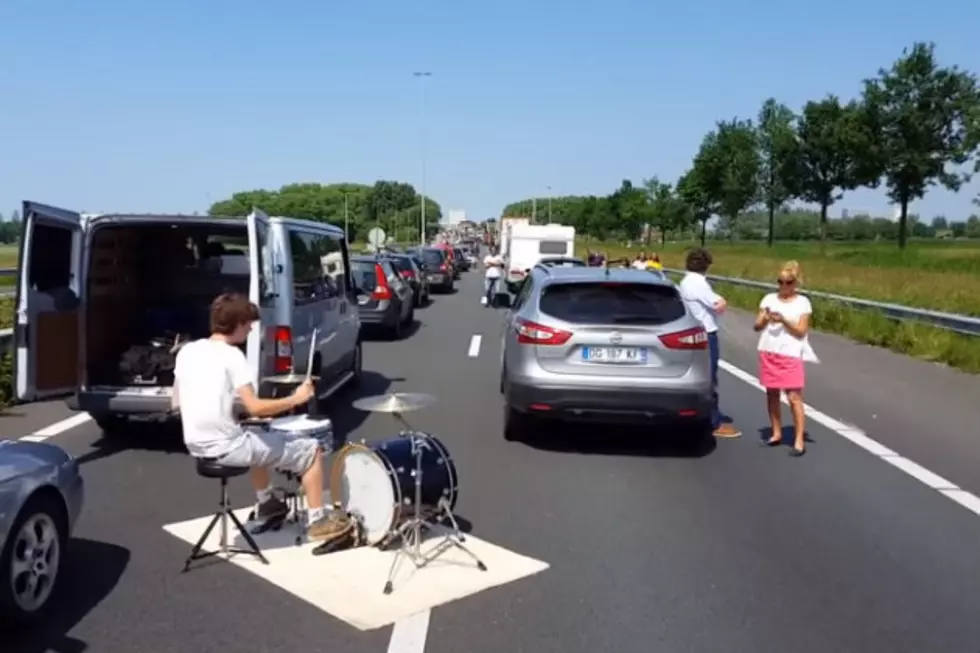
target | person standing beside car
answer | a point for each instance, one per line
(494, 265)
(706, 306)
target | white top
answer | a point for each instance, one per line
(700, 300)
(208, 375)
(639, 265)
(493, 265)
(775, 338)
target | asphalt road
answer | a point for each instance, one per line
(652, 547)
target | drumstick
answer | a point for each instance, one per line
(309, 364)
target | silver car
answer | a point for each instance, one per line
(607, 345)
(41, 496)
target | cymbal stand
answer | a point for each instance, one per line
(410, 533)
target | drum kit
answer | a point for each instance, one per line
(397, 490)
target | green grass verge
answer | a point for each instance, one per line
(6, 363)
(874, 328)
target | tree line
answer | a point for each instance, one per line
(915, 125)
(394, 206)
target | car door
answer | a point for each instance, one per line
(509, 348)
(260, 345)
(47, 322)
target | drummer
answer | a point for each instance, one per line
(210, 373)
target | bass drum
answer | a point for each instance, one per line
(376, 482)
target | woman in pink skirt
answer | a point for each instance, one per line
(783, 320)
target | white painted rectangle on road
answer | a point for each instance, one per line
(409, 635)
(348, 584)
(57, 428)
(474, 349)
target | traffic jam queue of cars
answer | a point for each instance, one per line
(103, 300)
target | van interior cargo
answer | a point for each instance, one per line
(150, 287)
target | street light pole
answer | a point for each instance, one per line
(346, 219)
(422, 76)
(549, 204)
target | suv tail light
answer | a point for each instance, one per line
(696, 338)
(382, 291)
(532, 333)
(443, 267)
(284, 350)
(408, 274)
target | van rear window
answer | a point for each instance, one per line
(612, 303)
(433, 256)
(553, 247)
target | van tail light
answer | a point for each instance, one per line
(532, 333)
(382, 291)
(696, 338)
(284, 350)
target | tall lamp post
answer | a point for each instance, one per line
(422, 76)
(347, 194)
(549, 204)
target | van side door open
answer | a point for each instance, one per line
(259, 344)
(46, 328)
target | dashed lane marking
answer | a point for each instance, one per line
(474, 350)
(928, 478)
(58, 428)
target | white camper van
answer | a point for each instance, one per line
(530, 243)
(103, 299)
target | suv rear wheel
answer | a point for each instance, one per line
(112, 425)
(516, 424)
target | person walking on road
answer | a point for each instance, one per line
(494, 265)
(706, 306)
(784, 320)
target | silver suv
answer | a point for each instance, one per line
(606, 345)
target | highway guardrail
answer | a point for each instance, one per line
(963, 324)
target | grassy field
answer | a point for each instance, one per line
(939, 275)
(8, 259)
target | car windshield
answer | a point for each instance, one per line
(364, 275)
(433, 256)
(612, 303)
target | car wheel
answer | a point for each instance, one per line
(395, 333)
(112, 425)
(516, 425)
(31, 559)
(411, 316)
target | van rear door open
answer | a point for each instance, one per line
(261, 270)
(46, 328)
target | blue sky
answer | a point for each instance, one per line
(166, 106)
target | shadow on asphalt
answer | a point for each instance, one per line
(376, 334)
(166, 437)
(612, 440)
(91, 571)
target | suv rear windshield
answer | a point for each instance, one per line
(612, 303)
(433, 256)
(363, 273)
(401, 263)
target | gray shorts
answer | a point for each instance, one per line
(274, 449)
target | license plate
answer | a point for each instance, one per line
(626, 355)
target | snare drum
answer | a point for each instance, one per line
(310, 426)
(377, 482)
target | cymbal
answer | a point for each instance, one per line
(287, 379)
(396, 402)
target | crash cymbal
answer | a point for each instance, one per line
(396, 402)
(288, 379)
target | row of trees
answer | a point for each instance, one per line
(9, 228)
(394, 206)
(915, 125)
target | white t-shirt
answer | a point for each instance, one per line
(494, 265)
(775, 338)
(700, 300)
(639, 265)
(208, 374)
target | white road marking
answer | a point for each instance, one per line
(928, 478)
(408, 635)
(474, 349)
(57, 428)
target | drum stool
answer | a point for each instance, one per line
(210, 469)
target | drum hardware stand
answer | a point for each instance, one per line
(410, 533)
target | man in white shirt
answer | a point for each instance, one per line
(210, 373)
(494, 265)
(706, 306)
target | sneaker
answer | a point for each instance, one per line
(329, 526)
(271, 508)
(727, 431)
